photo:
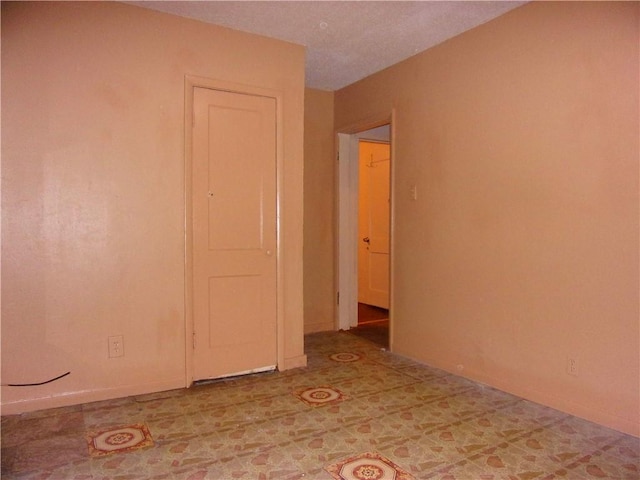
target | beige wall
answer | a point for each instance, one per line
(522, 247)
(93, 209)
(319, 162)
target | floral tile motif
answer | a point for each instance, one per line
(433, 424)
(367, 466)
(345, 357)
(316, 396)
(119, 440)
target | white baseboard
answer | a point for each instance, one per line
(86, 396)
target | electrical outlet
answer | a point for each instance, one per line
(116, 346)
(572, 366)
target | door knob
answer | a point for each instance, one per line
(366, 240)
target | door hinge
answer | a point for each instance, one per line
(193, 339)
(338, 157)
(338, 298)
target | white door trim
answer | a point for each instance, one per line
(347, 221)
(191, 82)
(347, 231)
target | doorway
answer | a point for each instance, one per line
(374, 158)
(364, 238)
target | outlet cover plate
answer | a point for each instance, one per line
(116, 346)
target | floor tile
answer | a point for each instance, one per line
(603, 465)
(507, 460)
(17, 430)
(367, 465)
(46, 454)
(122, 439)
(426, 421)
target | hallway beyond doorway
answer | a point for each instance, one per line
(373, 324)
(370, 314)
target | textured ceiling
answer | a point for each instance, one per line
(345, 40)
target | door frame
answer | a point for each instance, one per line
(190, 83)
(346, 265)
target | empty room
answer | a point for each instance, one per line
(180, 243)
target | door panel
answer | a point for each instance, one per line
(379, 279)
(374, 209)
(233, 298)
(234, 233)
(235, 188)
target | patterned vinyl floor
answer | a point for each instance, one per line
(356, 412)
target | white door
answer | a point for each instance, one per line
(234, 233)
(373, 223)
